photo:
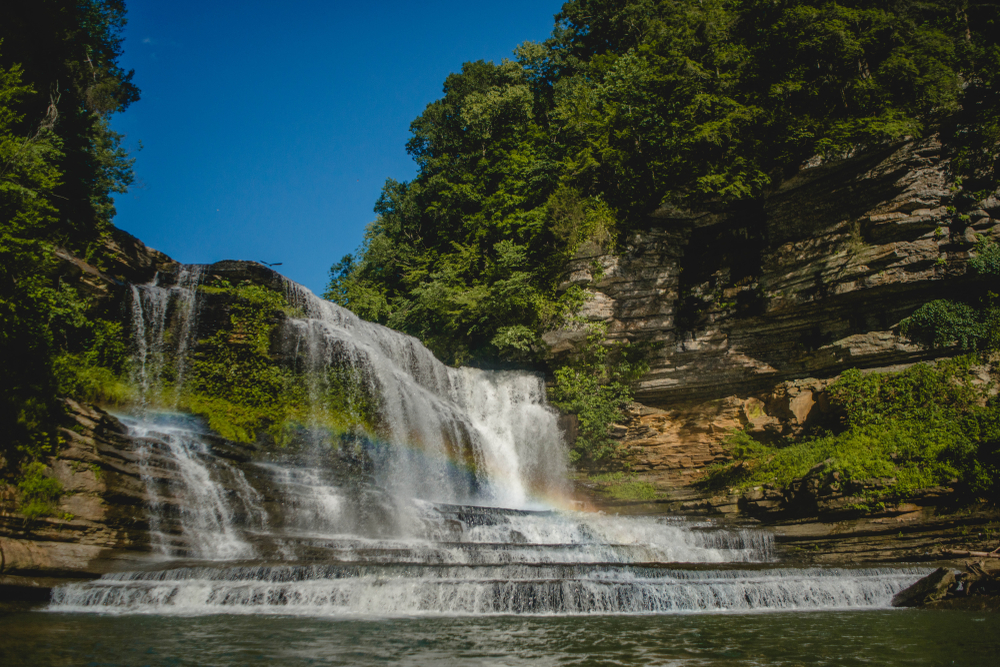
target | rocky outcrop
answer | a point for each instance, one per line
(123, 259)
(978, 587)
(751, 312)
(931, 588)
(813, 282)
(100, 518)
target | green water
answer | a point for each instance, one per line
(884, 637)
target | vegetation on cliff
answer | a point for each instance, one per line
(60, 165)
(242, 390)
(633, 106)
(973, 324)
(596, 386)
(926, 426)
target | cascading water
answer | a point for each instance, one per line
(185, 482)
(436, 416)
(451, 512)
(149, 306)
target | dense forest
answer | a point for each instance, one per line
(60, 166)
(639, 105)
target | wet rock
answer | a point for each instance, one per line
(100, 516)
(932, 588)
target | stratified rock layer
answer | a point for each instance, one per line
(753, 311)
(101, 518)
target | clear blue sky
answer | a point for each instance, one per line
(269, 128)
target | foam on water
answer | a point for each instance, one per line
(368, 590)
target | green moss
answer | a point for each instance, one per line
(243, 392)
(624, 486)
(39, 494)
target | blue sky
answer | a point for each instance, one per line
(268, 129)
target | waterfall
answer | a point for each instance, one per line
(150, 306)
(444, 507)
(495, 423)
(186, 487)
(566, 589)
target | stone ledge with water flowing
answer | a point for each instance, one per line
(387, 484)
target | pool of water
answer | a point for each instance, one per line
(880, 637)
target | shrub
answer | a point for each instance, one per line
(944, 323)
(597, 387)
(986, 261)
(39, 493)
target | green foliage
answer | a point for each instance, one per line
(243, 392)
(39, 494)
(624, 486)
(83, 380)
(637, 104)
(982, 471)
(915, 453)
(98, 372)
(59, 164)
(918, 428)
(986, 261)
(27, 298)
(597, 387)
(921, 391)
(945, 323)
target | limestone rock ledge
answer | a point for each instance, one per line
(811, 282)
(101, 518)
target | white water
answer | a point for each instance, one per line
(174, 465)
(436, 417)
(447, 517)
(150, 306)
(366, 591)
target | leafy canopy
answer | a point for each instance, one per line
(634, 105)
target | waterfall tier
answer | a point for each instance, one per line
(334, 590)
(451, 501)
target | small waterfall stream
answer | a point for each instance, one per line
(455, 512)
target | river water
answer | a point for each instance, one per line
(897, 637)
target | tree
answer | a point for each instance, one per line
(60, 164)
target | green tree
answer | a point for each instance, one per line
(60, 164)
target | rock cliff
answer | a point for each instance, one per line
(101, 517)
(753, 310)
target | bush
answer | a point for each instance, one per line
(39, 493)
(943, 323)
(986, 261)
(597, 387)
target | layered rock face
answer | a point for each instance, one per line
(752, 311)
(101, 516)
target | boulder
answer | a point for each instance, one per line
(932, 588)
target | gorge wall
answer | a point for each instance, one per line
(753, 311)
